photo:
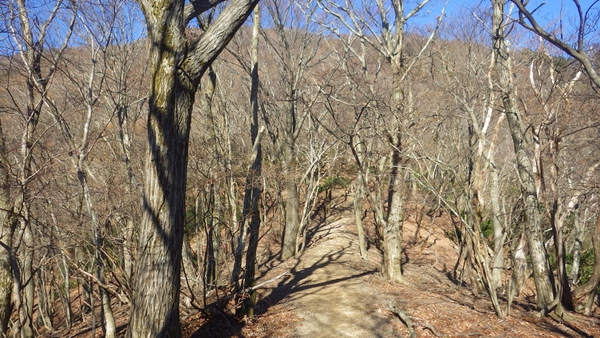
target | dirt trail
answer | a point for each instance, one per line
(331, 292)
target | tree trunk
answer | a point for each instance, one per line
(176, 66)
(292, 219)
(519, 273)
(156, 280)
(589, 288)
(27, 283)
(44, 302)
(392, 230)
(522, 144)
(8, 223)
(359, 194)
(499, 235)
(252, 193)
(576, 250)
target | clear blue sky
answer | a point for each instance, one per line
(548, 14)
(550, 10)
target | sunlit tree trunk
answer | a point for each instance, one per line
(359, 194)
(8, 222)
(588, 289)
(176, 66)
(253, 191)
(522, 145)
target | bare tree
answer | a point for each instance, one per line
(38, 54)
(8, 222)
(293, 46)
(522, 142)
(587, 19)
(381, 26)
(176, 65)
(473, 162)
(580, 48)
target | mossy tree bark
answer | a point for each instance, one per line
(589, 288)
(176, 65)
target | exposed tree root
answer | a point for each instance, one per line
(404, 318)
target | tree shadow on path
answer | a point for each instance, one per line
(297, 283)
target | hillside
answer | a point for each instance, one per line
(331, 292)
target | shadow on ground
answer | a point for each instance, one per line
(295, 284)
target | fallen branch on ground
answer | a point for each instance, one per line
(404, 318)
(264, 283)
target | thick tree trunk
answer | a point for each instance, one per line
(156, 280)
(176, 66)
(159, 266)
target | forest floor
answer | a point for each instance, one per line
(329, 291)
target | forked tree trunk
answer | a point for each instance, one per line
(176, 66)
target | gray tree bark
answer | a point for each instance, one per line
(176, 66)
(589, 288)
(522, 145)
(8, 222)
(253, 191)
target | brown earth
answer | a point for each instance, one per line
(331, 292)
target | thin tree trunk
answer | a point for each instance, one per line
(359, 195)
(44, 311)
(499, 234)
(27, 280)
(8, 222)
(292, 203)
(519, 271)
(522, 145)
(576, 250)
(251, 212)
(589, 288)
(392, 230)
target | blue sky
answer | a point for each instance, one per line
(548, 14)
(549, 11)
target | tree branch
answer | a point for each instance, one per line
(527, 20)
(197, 7)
